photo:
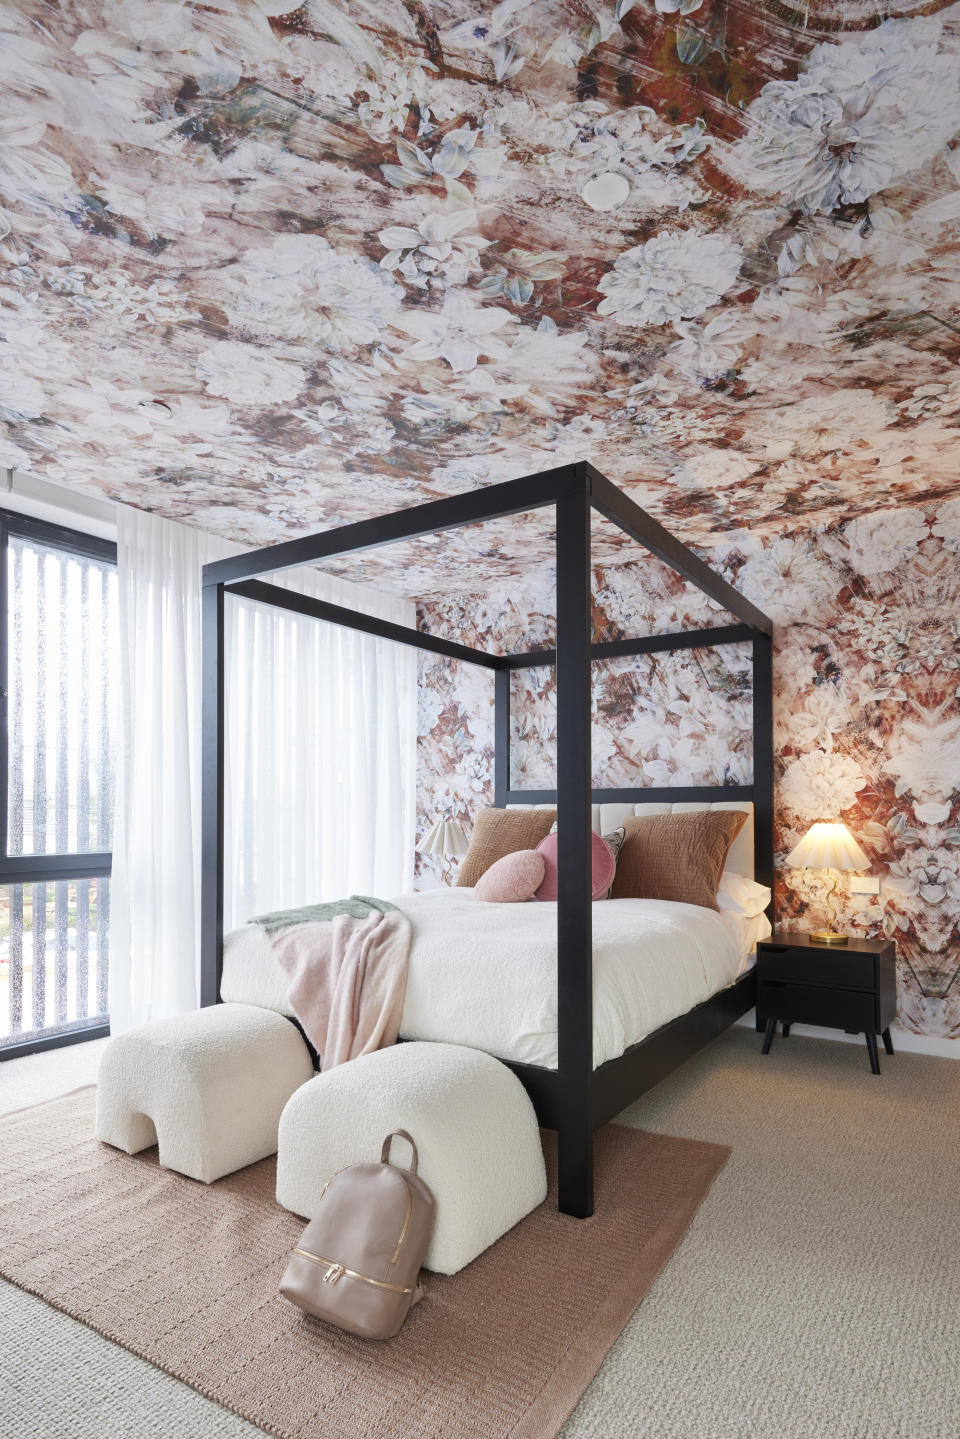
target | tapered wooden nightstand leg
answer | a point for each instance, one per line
(768, 1035)
(872, 1051)
(786, 1031)
(887, 1041)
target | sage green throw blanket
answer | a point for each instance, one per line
(347, 966)
(358, 905)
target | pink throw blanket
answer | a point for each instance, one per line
(348, 980)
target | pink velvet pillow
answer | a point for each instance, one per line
(511, 879)
(604, 867)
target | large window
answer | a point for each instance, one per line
(57, 675)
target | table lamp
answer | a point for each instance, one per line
(444, 838)
(828, 845)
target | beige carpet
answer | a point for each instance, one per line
(186, 1276)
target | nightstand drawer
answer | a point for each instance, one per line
(813, 1004)
(811, 966)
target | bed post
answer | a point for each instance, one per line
(501, 736)
(211, 767)
(574, 796)
(763, 861)
(763, 758)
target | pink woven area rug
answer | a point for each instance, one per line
(185, 1275)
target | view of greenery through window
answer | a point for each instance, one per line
(59, 656)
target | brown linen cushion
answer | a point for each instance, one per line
(676, 856)
(497, 832)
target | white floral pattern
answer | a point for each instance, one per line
(246, 376)
(267, 270)
(818, 785)
(861, 115)
(677, 275)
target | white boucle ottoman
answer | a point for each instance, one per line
(472, 1122)
(208, 1087)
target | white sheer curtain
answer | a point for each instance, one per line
(155, 884)
(320, 761)
(321, 753)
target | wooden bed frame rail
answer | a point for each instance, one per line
(621, 1081)
(574, 1098)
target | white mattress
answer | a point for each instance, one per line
(484, 975)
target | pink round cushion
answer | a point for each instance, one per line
(511, 879)
(604, 867)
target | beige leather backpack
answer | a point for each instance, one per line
(358, 1260)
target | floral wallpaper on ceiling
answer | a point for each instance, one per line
(867, 714)
(267, 269)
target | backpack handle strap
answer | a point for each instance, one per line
(399, 1134)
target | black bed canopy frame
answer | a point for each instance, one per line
(574, 1099)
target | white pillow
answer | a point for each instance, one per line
(738, 895)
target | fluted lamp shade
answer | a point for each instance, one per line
(445, 838)
(828, 845)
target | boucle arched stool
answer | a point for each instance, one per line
(208, 1087)
(472, 1121)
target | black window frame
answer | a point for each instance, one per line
(42, 868)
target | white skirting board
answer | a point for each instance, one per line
(903, 1039)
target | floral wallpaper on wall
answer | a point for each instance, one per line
(683, 719)
(270, 268)
(689, 715)
(867, 714)
(686, 719)
(454, 748)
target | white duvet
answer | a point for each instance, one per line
(485, 975)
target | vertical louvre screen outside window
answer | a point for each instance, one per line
(58, 608)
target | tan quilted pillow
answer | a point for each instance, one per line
(497, 832)
(676, 856)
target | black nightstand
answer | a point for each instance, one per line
(853, 987)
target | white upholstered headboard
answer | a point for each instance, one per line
(608, 817)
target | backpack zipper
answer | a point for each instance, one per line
(337, 1271)
(406, 1221)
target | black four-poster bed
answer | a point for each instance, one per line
(574, 1099)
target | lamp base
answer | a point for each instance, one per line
(827, 936)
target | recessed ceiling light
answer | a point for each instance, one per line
(159, 409)
(606, 191)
